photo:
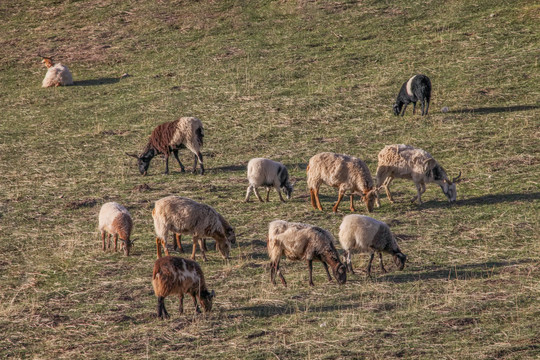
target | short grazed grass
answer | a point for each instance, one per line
(283, 80)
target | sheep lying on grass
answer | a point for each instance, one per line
(417, 88)
(268, 173)
(171, 137)
(303, 242)
(177, 276)
(368, 235)
(408, 162)
(344, 172)
(114, 219)
(57, 74)
(185, 216)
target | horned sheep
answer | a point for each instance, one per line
(347, 173)
(268, 173)
(298, 241)
(368, 235)
(170, 137)
(115, 220)
(184, 216)
(177, 276)
(57, 74)
(408, 162)
(417, 88)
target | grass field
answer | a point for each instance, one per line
(284, 80)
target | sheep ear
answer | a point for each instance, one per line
(132, 155)
(429, 164)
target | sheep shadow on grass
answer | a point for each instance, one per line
(267, 310)
(94, 82)
(458, 272)
(484, 200)
(491, 110)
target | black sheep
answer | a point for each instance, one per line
(416, 88)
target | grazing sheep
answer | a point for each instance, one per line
(114, 219)
(185, 216)
(344, 172)
(171, 137)
(303, 242)
(57, 74)
(416, 88)
(268, 173)
(177, 276)
(407, 162)
(368, 235)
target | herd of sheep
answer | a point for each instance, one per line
(294, 241)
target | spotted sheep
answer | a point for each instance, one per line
(57, 74)
(115, 220)
(417, 88)
(268, 173)
(408, 162)
(171, 137)
(298, 241)
(177, 276)
(369, 236)
(347, 173)
(185, 216)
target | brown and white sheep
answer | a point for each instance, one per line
(369, 236)
(298, 241)
(184, 216)
(268, 173)
(177, 276)
(170, 137)
(57, 74)
(408, 162)
(115, 220)
(347, 173)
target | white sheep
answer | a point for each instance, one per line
(115, 220)
(298, 241)
(408, 162)
(268, 173)
(185, 216)
(57, 74)
(369, 236)
(177, 276)
(347, 173)
(186, 132)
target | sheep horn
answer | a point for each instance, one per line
(456, 179)
(132, 155)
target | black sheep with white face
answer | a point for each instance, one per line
(417, 88)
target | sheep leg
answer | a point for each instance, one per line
(202, 244)
(403, 111)
(317, 200)
(423, 104)
(381, 263)
(166, 164)
(195, 165)
(352, 203)
(418, 194)
(161, 311)
(108, 241)
(158, 246)
(103, 239)
(327, 272)
(310, 269)
(280, 274)
(427, 106)
(195, 241)
(414, 109)
(347, 256)
(195, 303)
(175, 153)
(199, 155)
(387, 189)
(257, 194)
(279, 193)
(178, 243)
(273, 273)
(115, 242)
(369, 264)
(267, 194)
(312, 197)
(248, 192)
(181, 305)
(340, 196)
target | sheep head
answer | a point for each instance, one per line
(48, 61)
(206, 299)
(369, 197)
(399, 260)
(340, 273)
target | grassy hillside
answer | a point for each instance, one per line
(284, 80)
